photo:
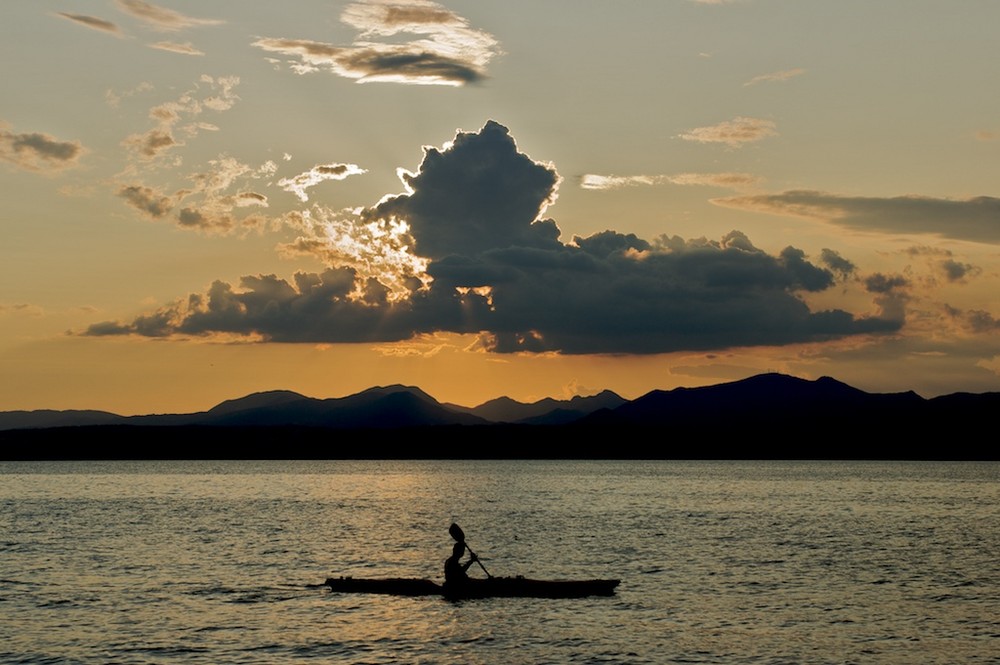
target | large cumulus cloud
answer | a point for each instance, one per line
(499, 268)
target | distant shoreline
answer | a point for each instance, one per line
(498, 441)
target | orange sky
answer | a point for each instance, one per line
(523, 199)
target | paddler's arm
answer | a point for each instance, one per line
(472, 559)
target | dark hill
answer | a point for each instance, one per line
(756, 400)
(52, 418)
(269, 399)
(380, 407)
(764, 416)
(544, 411)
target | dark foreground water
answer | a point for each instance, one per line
(720, 562)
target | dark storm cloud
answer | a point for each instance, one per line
(499, 269)
(976, 219)
(479, 194)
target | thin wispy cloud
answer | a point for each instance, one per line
(472, 252)
(445, 50)
(973, 220)
(37, 151)
(733, 133)
(731, 180)
(728, 180)
(93, 23)
(317, 174)
(178, 119)
(186, 48)
(161, 18)
(776, 76)
(22, 309)
(114, 98)
(596, 181)
(221, 197)
(212, 201)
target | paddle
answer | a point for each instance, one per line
(459, 535)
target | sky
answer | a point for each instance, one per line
(202, 200)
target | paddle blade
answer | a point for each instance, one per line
(456, 532)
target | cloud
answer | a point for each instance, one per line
(958, 271)
(317, 174)
(184, 49)
(209, 204)
(38, 152)
(974, 220)
(114, 98)
(730, 180)
(147, 200)
(21, 309)
(93, 23)
(494, 266)
(943, 263)
(776, 76)
(595, 181)
(733, 133)
(446, 51)
(837, 263)
(161, 18)
(212, 205)
(977, 320)
(477, 194)
(182, 114)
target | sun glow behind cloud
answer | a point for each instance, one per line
(378, 250)
(465, 250)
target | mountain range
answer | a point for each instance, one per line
(764, 416)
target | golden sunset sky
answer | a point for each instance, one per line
(201, 200)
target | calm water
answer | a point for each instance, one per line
(720, 562)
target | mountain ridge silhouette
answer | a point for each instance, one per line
(766, 415)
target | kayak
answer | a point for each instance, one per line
(493, 587)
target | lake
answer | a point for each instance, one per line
(776, 562)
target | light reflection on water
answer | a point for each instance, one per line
(721, 562)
